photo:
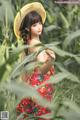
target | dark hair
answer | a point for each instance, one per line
(25, 28)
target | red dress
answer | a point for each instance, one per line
(28, 105)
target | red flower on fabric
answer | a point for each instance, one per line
(28, 105)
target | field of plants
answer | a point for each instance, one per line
(62, 34)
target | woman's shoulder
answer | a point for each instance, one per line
(35, 46)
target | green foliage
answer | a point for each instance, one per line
(62, 34)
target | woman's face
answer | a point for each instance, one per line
(36, 29)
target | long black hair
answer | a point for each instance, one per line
(25, 28)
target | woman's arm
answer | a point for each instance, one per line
(51, 53)
(46, 57)
(47, 60)
(46, 66)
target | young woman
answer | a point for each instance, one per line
(28, 24)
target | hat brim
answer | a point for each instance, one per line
(35, 6)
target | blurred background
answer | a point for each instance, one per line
(62, 34)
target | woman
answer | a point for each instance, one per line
(28, 24)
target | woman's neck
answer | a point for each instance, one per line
(34, 39)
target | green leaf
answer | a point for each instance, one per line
(51, 44)
(56, 78)
(18, 50)
(70, 110)
(70, 37)
(50, 18)
(51, 27)
(72, 106)
(65, 21)
(47, 116)
(61, 76)
(21, 65)
(6, 6)
(70, 76)
(2, 53)
(63, 53)
(25, 90)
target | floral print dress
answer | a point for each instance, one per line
(30, 106)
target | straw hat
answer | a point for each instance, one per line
(35, 6)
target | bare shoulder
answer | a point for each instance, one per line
(35, 46)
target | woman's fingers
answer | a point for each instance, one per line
(50, 53)
(42, 57)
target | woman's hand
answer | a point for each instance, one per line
(50, 53)
(47, 58)
(43, 56)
